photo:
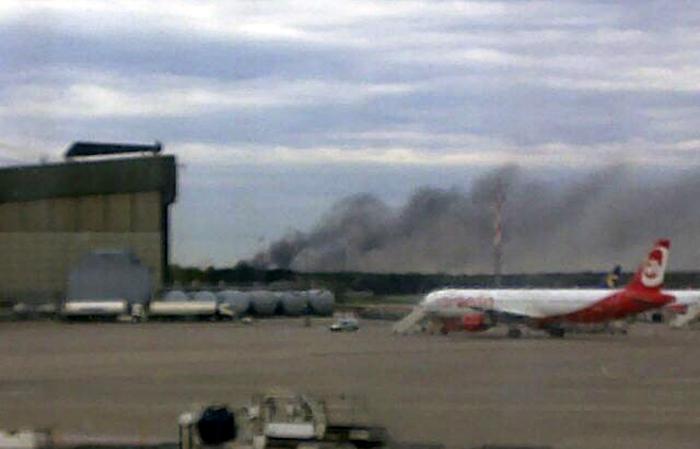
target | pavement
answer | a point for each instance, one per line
(128, 382)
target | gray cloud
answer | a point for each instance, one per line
(399, 88)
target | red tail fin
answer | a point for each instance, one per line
(650, 274)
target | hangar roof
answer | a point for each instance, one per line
(83, 149)
(102, 177)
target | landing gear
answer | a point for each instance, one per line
(514, 332)
(556, 332)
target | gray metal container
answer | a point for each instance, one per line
(204, 296)
(263, 302)
(321, 302)
(109, 275)
(293, 303)
(175, 296)
(238, 301)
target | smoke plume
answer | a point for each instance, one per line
(589, 223)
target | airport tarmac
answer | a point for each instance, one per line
(130, 381)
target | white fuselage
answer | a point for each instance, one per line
(535, 303)
(685, 297)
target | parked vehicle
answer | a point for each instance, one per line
(347, 324)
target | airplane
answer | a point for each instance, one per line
(612, 278)
(550, 310)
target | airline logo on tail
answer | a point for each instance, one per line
(652, 270)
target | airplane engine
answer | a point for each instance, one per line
(475, 322)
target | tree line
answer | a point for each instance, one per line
(398, 283)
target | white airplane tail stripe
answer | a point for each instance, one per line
(650, 274)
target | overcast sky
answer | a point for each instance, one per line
(278, 109)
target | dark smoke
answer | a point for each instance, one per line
(588, 223)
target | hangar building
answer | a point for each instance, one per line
(52, 215)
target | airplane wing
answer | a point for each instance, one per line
(515, 309)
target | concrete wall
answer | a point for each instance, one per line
(40, 241)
